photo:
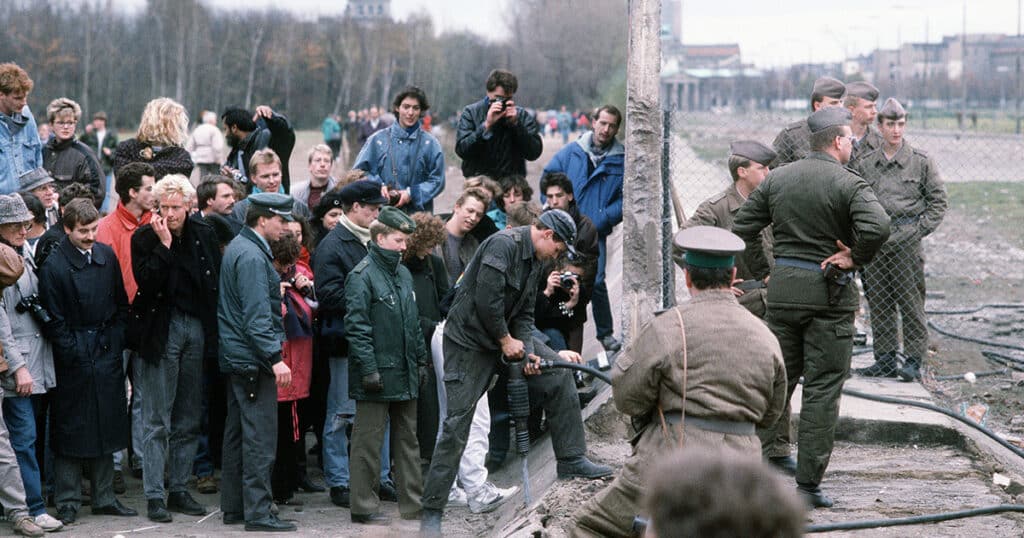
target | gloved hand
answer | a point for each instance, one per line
(372, 383)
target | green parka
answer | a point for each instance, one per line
(383, 328)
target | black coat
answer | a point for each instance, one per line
(335, 256)
(89, 416)
(275, 133)
(506, 151)
(152, 266)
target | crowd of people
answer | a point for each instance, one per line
(163, 327)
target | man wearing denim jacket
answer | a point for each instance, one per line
(405, 158)
(20, 149)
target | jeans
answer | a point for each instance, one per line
(556, 340)
(599, 304)
(341, 412)
(21, 424)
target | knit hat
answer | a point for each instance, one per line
(33, 179)
(13, 209)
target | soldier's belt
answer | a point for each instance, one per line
(748, 285)
(712, 425)
(799, 264)
(903, 221)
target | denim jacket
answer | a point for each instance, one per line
(402, 160)
(20, 149)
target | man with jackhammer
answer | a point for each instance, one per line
(704, 374)
(490, 318)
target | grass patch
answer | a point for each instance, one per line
(999, 205)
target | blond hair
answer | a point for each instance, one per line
(164, 123)
(261, 157)
(172, 184)
(61, 105)
(319, 148)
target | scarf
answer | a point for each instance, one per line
(363, 234)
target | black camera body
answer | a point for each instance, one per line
(394, 196)
(567, 279)
(503, 101)
(32, 305)
(305, 292)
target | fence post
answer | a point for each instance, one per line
(668, 281)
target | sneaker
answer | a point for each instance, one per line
(26, 526)
(48, 523)
(206, 485)
(457, 497)
(489, 497)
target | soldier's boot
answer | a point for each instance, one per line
(911, 370)
(814, 496)
(786, 464)
(885, 365)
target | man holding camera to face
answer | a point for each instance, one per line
(495, 137)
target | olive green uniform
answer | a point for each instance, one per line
(719, 211)
(735, 377)
(810, 204)
(868, 143)
(912, 193)
(792, 143)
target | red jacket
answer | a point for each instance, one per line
(116, 230)
(297, 353)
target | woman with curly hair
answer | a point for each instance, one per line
(159, 140)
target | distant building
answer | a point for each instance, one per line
(368, 9)
(701, 77)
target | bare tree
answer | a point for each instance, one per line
(255, 40)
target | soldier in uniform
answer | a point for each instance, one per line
(732, 385)
(791, 143)
(907, 183)
(860, 99)
(748, 165)
(814, 207)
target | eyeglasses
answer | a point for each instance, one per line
(65, 123)
(26, 226)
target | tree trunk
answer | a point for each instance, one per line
(642, 260)
(90, 26)
(257, 38)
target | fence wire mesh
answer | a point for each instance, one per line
(942, 267)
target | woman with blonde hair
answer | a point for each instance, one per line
(159, 140)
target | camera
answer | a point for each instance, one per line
(567, 279)
(503, 101)
(305, 292)
(31, 305)
(394, 196)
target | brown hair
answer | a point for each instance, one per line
(14, 79)
(503, 78)
(428, 234)
(79, 212)
(821, 140)
(735, 163)
(472, 193)
(522, 214)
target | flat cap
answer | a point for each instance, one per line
(828, 117)
(753, 150)
(891, 110)
(33, 179)
(863, 90)
(562, 224)
(276, 203)
(363, 191)
(707, 246)
(829, 87)
(396, 218)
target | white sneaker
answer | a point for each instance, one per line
(489, 497)
(48, 523)
(457, 497)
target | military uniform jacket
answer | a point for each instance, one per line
(871, 141)
(382, 324)
(720, 211)
(792, 143)
(809, 205)
(909, 188)
(497, 293)
(249, 308)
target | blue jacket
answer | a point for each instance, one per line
(20, 149)
(402, 160)
(597, 190)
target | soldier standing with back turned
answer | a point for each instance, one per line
(816, 206)
(907, 183)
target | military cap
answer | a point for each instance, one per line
(276, 203)
(891, 110)
(562, 224)
(753, 150)
(33, 179)
(863, 90)
(363, 191)
(829, 87)
(707, 246)
(828, 117)
(396, 218)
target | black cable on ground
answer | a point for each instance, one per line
(931, 407)
(1005, 360)
(1007, 306)
(913, 520)
(951, 334)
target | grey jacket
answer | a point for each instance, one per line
(22, 336)
(301, 192)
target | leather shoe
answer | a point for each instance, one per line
(183, 503)
(886, 365)
(67, 514)
(233, 518)
(340, 496)
(371, 519)
(307, 485)
(815, 497)
(785, 464)
(387, 492)
(269, 524)
(156, 511)
(115, 509)
(581, 467)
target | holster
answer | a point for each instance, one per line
(836, 279)
(250, 376)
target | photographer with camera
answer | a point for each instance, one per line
(495, 137)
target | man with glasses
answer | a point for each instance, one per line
(66, 159)
(826, 222)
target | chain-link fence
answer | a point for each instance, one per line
(971, 253)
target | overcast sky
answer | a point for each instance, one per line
(770, 32)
